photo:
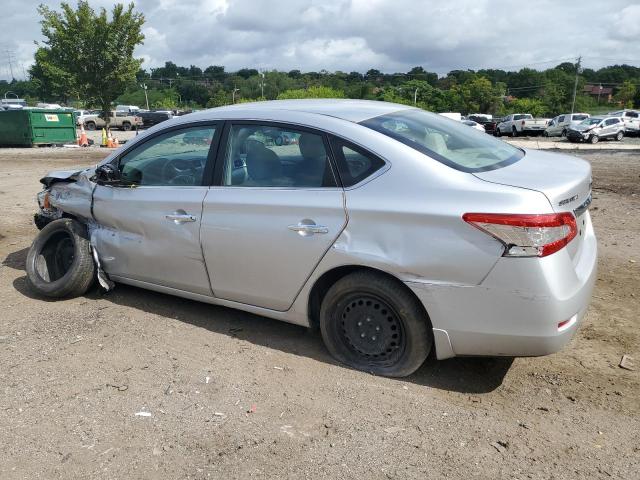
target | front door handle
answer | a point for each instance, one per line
(308, 227)
(180, 217)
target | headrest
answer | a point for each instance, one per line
(262, 163)
(311, 146)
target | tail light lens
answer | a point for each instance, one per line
(527, 235)
(522, 123)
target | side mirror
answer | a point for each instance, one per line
(107, 174)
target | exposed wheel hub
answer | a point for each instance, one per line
(371, 327)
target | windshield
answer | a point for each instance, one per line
(445, 140)
(591, 121)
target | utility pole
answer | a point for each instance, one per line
(261, 84)
(575, 85)
(233, 94)
(10, 60)
(415, 97)
(144, 87)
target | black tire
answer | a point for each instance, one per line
(126, 126)
(619, 136)
(545, 134)
(90, 126)
(371, 322)
(594, 139)
(278, 141)
(60, 263)
(497, 133)
(514, 132)
(564, 133)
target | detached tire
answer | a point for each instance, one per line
(371, 322)
(60, 263)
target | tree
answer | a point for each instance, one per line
(625, 94)
(311, 92)
(87, 53)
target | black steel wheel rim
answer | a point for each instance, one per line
(371, 329)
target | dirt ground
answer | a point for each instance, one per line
(136, 384)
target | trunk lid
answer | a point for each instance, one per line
(563, 179)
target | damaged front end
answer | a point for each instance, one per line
(66, 193)
(69, 194)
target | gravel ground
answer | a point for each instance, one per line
(136, 384)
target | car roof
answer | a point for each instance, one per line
(346, 109)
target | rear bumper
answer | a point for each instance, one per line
(516, 310)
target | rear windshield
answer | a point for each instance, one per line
(448, 141)
(522, 117)
(580, 117)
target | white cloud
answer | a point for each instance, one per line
(389, 35)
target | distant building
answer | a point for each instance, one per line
(604, 94)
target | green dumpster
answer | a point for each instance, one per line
(29, 127)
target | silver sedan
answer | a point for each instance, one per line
(396, 231)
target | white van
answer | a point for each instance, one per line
(127, 108)
(560, 125)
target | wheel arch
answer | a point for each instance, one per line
(327, 279)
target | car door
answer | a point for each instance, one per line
(150, 221)
(609, 127)
(275, 211)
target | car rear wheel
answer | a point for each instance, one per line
(373, 323)
(60, 262)
(90, 125)
(497, 133)
(619, 136)
(545, 134)
(564, 133)
(594, 139)
(126, 126)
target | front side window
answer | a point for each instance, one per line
(445, 140)
(611, 121)
(271, 156)
(561, 119)
(175, 158)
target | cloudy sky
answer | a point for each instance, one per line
(389, 35)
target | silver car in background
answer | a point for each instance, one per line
(398, 232)
(594, 129)
(559, 126)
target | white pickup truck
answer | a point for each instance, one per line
(631, 120)
(521, 124)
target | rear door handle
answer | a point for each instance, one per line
(180, 217)
(307, 228)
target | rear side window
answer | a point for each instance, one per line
(561, 119)
(276, 156)
(354, 163)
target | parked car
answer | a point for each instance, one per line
(631, 119)
(121, 120)
(488, 123)
(394, 230)
(594, 129)
(153, 118)
(559, 126)
(473, 124)
(521, 124)
(128, 108)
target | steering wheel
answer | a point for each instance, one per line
(178, 171)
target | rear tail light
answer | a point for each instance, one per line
(522, 123)
(527, 235)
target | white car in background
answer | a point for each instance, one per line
(631, 119)
(559, 126)
(473, 124)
